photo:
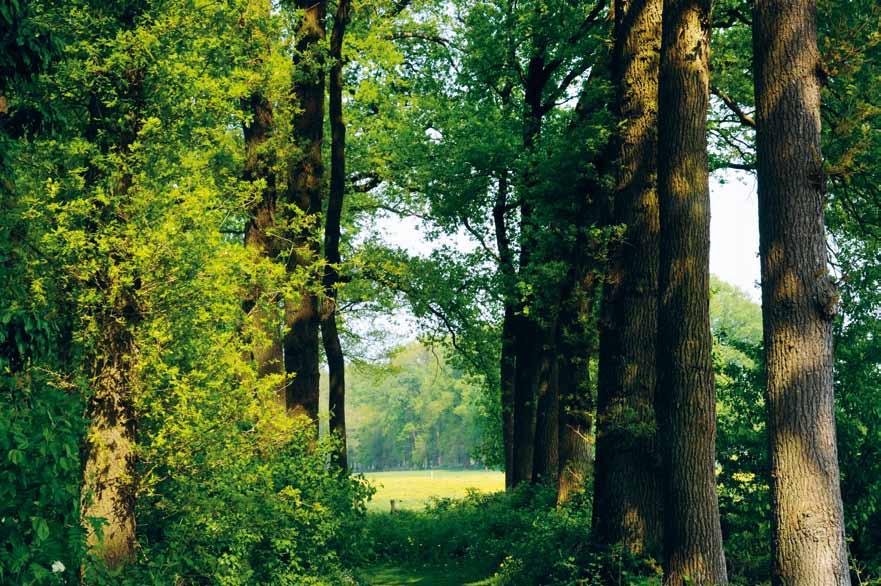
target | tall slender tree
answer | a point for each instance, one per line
(798, 299)
(305, 186)
(627, 485)
(686, 396)
(329, 334)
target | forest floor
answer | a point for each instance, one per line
(439, 575)
(413, 489)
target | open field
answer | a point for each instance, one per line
(412, 489)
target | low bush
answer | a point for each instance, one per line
(523, 535)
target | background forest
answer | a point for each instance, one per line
(197, 197)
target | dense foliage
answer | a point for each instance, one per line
(417, 411)
(131, 299)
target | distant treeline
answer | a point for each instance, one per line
(418, 412)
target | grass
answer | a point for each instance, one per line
(413, 489)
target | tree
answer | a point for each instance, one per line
(627, 489)
(260, 168)
(686, 390)
(799, 299)
(303, 198)
(329, 334)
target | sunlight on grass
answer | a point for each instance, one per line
(412, 489)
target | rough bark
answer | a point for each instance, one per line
(576, 395)
(686, 386)
(546, 465)
(304, 186)
(627, 491)
(108, 493)
(798, 300)
(332, 347)
(266, 351)
(529, 337)
(109, 460)
(508, 360)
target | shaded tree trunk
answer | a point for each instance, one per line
(627, 490)
(686, 387)
(798, 300)
(332, 348)
(266, 351)
(546, 466)
(108, 492)
(576, 395)
(528, 333)
(507, 380)
(109, 460)
(304, 186)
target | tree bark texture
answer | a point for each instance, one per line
(305, 186)
(628, 492)
(108, 493)
(576, 345)
(508, 359)
(267, 349)
(546, 466)
(332, 347)
(798, 300)
(686, 388)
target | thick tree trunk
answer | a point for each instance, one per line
(686, 387)
(305, 186)
(576, 394)
(528, 365)
(332, 348)
(627, 490)
(798, 300)
(546, 465)
(266, 350)
(108, 493)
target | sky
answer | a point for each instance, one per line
(734, 232)
(734, 249)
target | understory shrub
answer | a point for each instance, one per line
(522, 535)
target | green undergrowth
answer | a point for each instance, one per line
(520, 538)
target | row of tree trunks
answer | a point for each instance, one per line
(686, 385)
(798, 299)
(330, 336)
(627, 496)
(305, 184)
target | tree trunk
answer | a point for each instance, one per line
(109, 459)
(627, 486)
(576, 395)
(546, 465)
(266, 350)
(508, 372)
(508, 359)
(332, 348)
(108, 493)
(305, 186)
(686, 387)
(798, 300)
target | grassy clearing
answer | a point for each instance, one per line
(413, 489)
